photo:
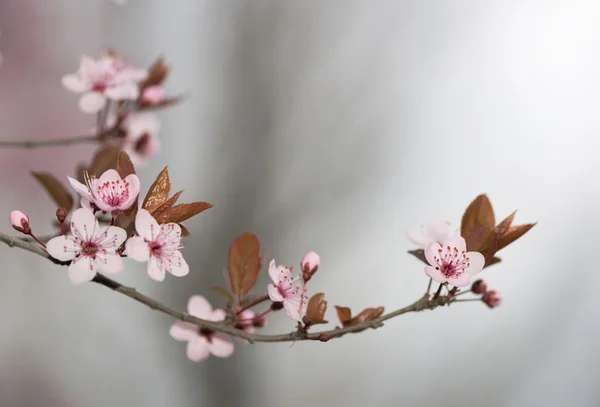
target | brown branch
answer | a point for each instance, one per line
(422, 304)
(96, 138)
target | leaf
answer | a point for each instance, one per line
(419, 254)
(479, 213)
(105, 159)
(124, 165)
(158, 192)
(157, 73)
(485, 241)
(184, 231)
(244, 263)
(224, 293)
(55, 189)
(182, 212)
(167, 205)
(368, 314)
(503, 226)
(493, 261)
(513, 233)
(344, 314)
(316, 308)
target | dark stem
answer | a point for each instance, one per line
(438, 292)
(253, 303)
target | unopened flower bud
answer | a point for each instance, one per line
(276, 306)
(20, 222)
(153, 95)
(306, 320)
(324, 337)
(479, 287)
(259, 322)
(492, 298)
(310, 264)
(61, 215)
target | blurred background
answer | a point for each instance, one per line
(329, 126)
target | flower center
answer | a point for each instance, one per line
(99, 87)
(156, 249)
(207, 333)
(142, 145)
(451, 262)
(89, 249)
(113, 193)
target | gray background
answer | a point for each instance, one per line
(328, 126)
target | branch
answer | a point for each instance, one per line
(59, 142)
(422, 304)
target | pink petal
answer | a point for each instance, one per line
(436, 275)
(456, 241)
(218, 315)
(197, 349)
(92, 102)
(74, 83)
(438, 230)
(274, 294)
(134, 191)
(116, 236)
(85, 203)
(126, 91)
(80, 188)
(110, 264)
(418, 237)
(431, 252)
(463, 280)
(145, 224)
(153, 94)
(84, 223)
(62, 248)
(137, 249)
(82, 270)
(109, 176)
(220, 346)
(199, 307)
(183, 331)
(181, 268)
(477, 262)
(274, 272)
(137, 124)
(155, 269)
(292, 310)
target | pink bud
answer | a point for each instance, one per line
(20, 222)
(61, 214)
(306, 320)
(153, 95)
(492, 298)
(479, 287)
(310, 264)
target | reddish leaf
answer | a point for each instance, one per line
(419, 254)
(224, 293)
(124, 165)
(55, 189)
(479, 213)
(485, 241)
(513, 233)
(105, 159)
(157, 73)
(503, 226)
(166, 206)
(158, 192)
(316, 308)
(244, 264)
(368, 314)
(184, 231)
(493, 261)
(182, 212)
(344, 314)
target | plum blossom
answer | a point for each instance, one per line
(309, 265)
(492, 298)
(158, 245)
(109, 193)
(433, 231)
(451, 263)
(141, 140)
(202, 342)
(90, 248)
(19, 221)
(108, 77)
(153, 95)
(287, 291)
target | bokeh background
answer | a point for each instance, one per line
(329, 126)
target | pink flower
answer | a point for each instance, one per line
(19, 221)
(105, 78)
(109, 193)
(141, 140)
(310, 264)
(153, 95)
(451, 263)
(90, 247)
(492, 298)
(202, 342)
(158, 245)
(286, 290)
(434, 231)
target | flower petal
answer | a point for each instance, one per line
(74, 83)
(463, 280)
(220, 346)
(476, 261)
(80, 188)
(183, 331)
(92, 102)
(155, 269)
(432, 251)
(109, 176)
(84, 224)
(134, 191)
(292, 310)
(197, 349)
(456, 241)
(218, 315)
(274, 271)
(82, 270)
(436, 275)
(274, 293)
(137, 249)
(126, 91)
(145, 224)
(63, 248)
(418, 236)
(438, 230)
(179, 266)
(110, 264)
(199, 307)
(115, 235)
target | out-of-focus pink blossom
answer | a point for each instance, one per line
(141, 141)
(158, 245)
(492, 298)
(310, 264)
(153, 95)
(286, 290)
(201, 342)
(108, 77)
(90, 247)
(110, 193)
(479, 287)
(451, 263)
(19, 221)
(433, 231)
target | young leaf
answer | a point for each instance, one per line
(105, 159)
(224, 293)
(316, 308)
(157, 73)
(158, 192)
(513, 233)
(344, 314)
(419, 254)
(124, 165)
(157, 213)
(56, 189)
(503, 226)
(485, 241)
(368, 314)
(479, 213)
(244, 264)
(182, 212)
(493, 261)
(184, 231)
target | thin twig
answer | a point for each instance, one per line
(95, 138)
(251, 304)
(420, 305)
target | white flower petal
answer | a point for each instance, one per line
(476, 261)
(179, 266)
(137, 249)
(220, 346)
(84, 224)
(126, 91)
(111, 264)
(155, 269)
(92, 102)
(74, 83)
(199, 307)
(435, 274)
(183, 331)
(62, 248)
(145, 224)
(197, 349)
(274, 294)
(82, 270)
